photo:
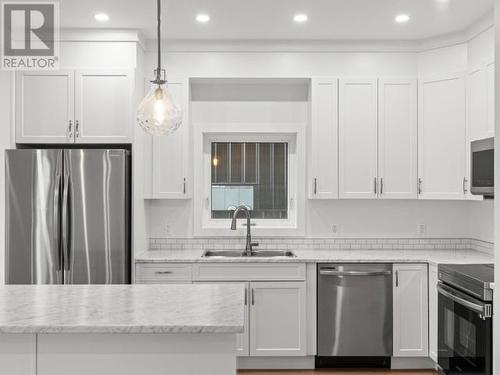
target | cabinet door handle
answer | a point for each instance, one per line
(184, 186)
(419, 186)
(464, 185)
(246, 296)
(70, 129)
(375, 185)
(253, 297)
(77, 129)
(163, 272)
(397, 279)
(315, 186)
(381, 185)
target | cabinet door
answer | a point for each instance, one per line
(278, 319)
(433, 312)
(170, 152)
(323, 146)
(442, 138)
(397, 135)
(44, 107)
(242, 339)
(410, 310)
(490, 100)
(476, 104)
(103, 106)
(357, 138)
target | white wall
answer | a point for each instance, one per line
(353, 218)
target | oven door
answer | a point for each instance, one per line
(464, 333)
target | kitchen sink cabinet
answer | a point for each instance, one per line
(410, 310)
(68, 106)
(275, 305)
(277, 319)
(323, 139)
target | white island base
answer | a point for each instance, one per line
(120, 330)
(117, 354)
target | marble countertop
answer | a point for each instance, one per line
(316, 256)
(121, 308)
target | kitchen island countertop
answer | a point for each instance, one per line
(121, 309)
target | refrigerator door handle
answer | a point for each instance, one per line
(57, 220)
(66, 229)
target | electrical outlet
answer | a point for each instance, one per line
(167, 228)
(335, 228)
(421, 229)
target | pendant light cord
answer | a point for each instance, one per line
(158, 2)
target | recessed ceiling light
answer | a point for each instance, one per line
(300, 18)
(402, 18)
(202, 18)
(101, 17)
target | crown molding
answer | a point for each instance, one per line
(102, 35)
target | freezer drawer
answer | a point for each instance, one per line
(354, 310)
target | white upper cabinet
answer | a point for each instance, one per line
(45, 107)
(358, 138)
(476, 104)
(278, 319)
(442, 138)
(410, 299)
(103, 106)
(323, 141)
(74, 107)
(170, 152)
(397, 139)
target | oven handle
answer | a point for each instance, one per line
(482, 309)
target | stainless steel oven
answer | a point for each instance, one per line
(482, 167)
(465, 319)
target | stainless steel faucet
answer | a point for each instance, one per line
(249, 245)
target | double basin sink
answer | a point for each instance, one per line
(242, 254)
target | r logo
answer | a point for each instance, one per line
(30, 35)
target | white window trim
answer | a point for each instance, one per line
(204, 225)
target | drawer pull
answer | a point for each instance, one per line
(164, 272)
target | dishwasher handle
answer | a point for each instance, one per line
(329, 272)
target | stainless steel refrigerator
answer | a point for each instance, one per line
(67, 216)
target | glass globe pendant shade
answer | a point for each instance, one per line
(158, 113)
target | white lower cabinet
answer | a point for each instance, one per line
(278, 319)
(410, 299)
(433, 312)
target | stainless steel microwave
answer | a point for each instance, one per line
(482, 167)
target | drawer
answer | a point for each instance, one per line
(163, 272)
(249, 271)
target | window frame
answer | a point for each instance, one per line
(208, 223)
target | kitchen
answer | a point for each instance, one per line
(353, 154)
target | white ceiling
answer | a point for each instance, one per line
(272, 19)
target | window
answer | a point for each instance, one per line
(254, 174)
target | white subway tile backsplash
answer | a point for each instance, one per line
(323, 243)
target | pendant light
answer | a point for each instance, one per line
(158, 113)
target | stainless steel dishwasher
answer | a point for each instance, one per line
(354, 327)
